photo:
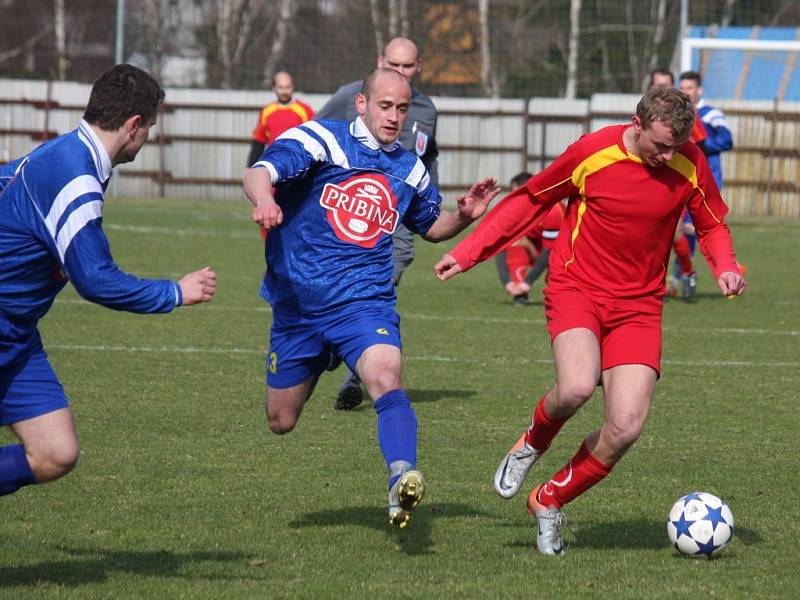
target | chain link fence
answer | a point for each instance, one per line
(502, 48)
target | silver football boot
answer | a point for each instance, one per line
(514, 468)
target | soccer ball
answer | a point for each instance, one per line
(700, 525)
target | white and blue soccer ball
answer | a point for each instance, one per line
(700, 525)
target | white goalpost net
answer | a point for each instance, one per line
(756, 82)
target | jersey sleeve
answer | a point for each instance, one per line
(520, 210)
(708, 211)
(426, 205)
(719, 138)
(260, 133)
(73, 226)
(293, 154)
(8, 171)
(309, 111)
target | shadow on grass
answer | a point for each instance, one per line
(83, 566)
(640, 534)
(414, 539)
(418, 396)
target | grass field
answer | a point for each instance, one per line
(182, 492)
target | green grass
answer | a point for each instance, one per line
(182, 492)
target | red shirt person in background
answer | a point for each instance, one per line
(276, 117)
(627, 186)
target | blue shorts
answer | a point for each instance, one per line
(30, 388)
(300, 347)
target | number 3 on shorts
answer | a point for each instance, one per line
(273, 363)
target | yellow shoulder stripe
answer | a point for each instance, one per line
(592, 164)
(685, 167)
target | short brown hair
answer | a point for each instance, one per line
(120, 93)
(670, 106)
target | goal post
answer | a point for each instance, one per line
(756, 82)
(745, 69)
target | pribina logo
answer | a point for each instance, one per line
(361, 208)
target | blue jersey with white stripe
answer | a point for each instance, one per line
(51, 205)
(342, 195)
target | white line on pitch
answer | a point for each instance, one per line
(481, 319)
(182, 232)
(435, 358)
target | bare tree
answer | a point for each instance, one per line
(234, 21)
(658, 38)
(154, 18)
(405, 26)
(285, 13)
(727, 13)
(377, 26)
(394, 18)
(574, 47)
(61, 39)
(489, 81)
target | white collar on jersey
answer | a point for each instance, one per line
(99, 153)
(359, 131)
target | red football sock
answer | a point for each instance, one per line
(518, 262)
(543, 429)
(684, 254)
(577, 476)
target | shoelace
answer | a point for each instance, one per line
(517, 468)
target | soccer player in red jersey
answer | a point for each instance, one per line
(627, 186)
(278, 116)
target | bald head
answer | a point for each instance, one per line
(381, 77)
(283, 86)
(401, 54)
(383, 104)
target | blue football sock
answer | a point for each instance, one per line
(15, 471)
(397, 430)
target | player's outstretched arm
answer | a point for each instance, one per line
(198, 287)
(258, 188)
(446, 268)
(731, 284)
(470, 207)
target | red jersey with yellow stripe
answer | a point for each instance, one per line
(617, 234)
(275, 118)
(545, 231)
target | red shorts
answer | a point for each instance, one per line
(628, 331)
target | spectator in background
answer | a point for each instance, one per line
(418, 136)
(526, 259)
(278, 116)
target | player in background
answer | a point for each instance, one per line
(276, 117)
(51, 204)
(604, 295)
(341, 190)
(684, 276)
(526, 259)
(718, 137)
(279, 115)
(418, 136)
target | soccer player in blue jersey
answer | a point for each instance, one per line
(51, 205)
(341, 190)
